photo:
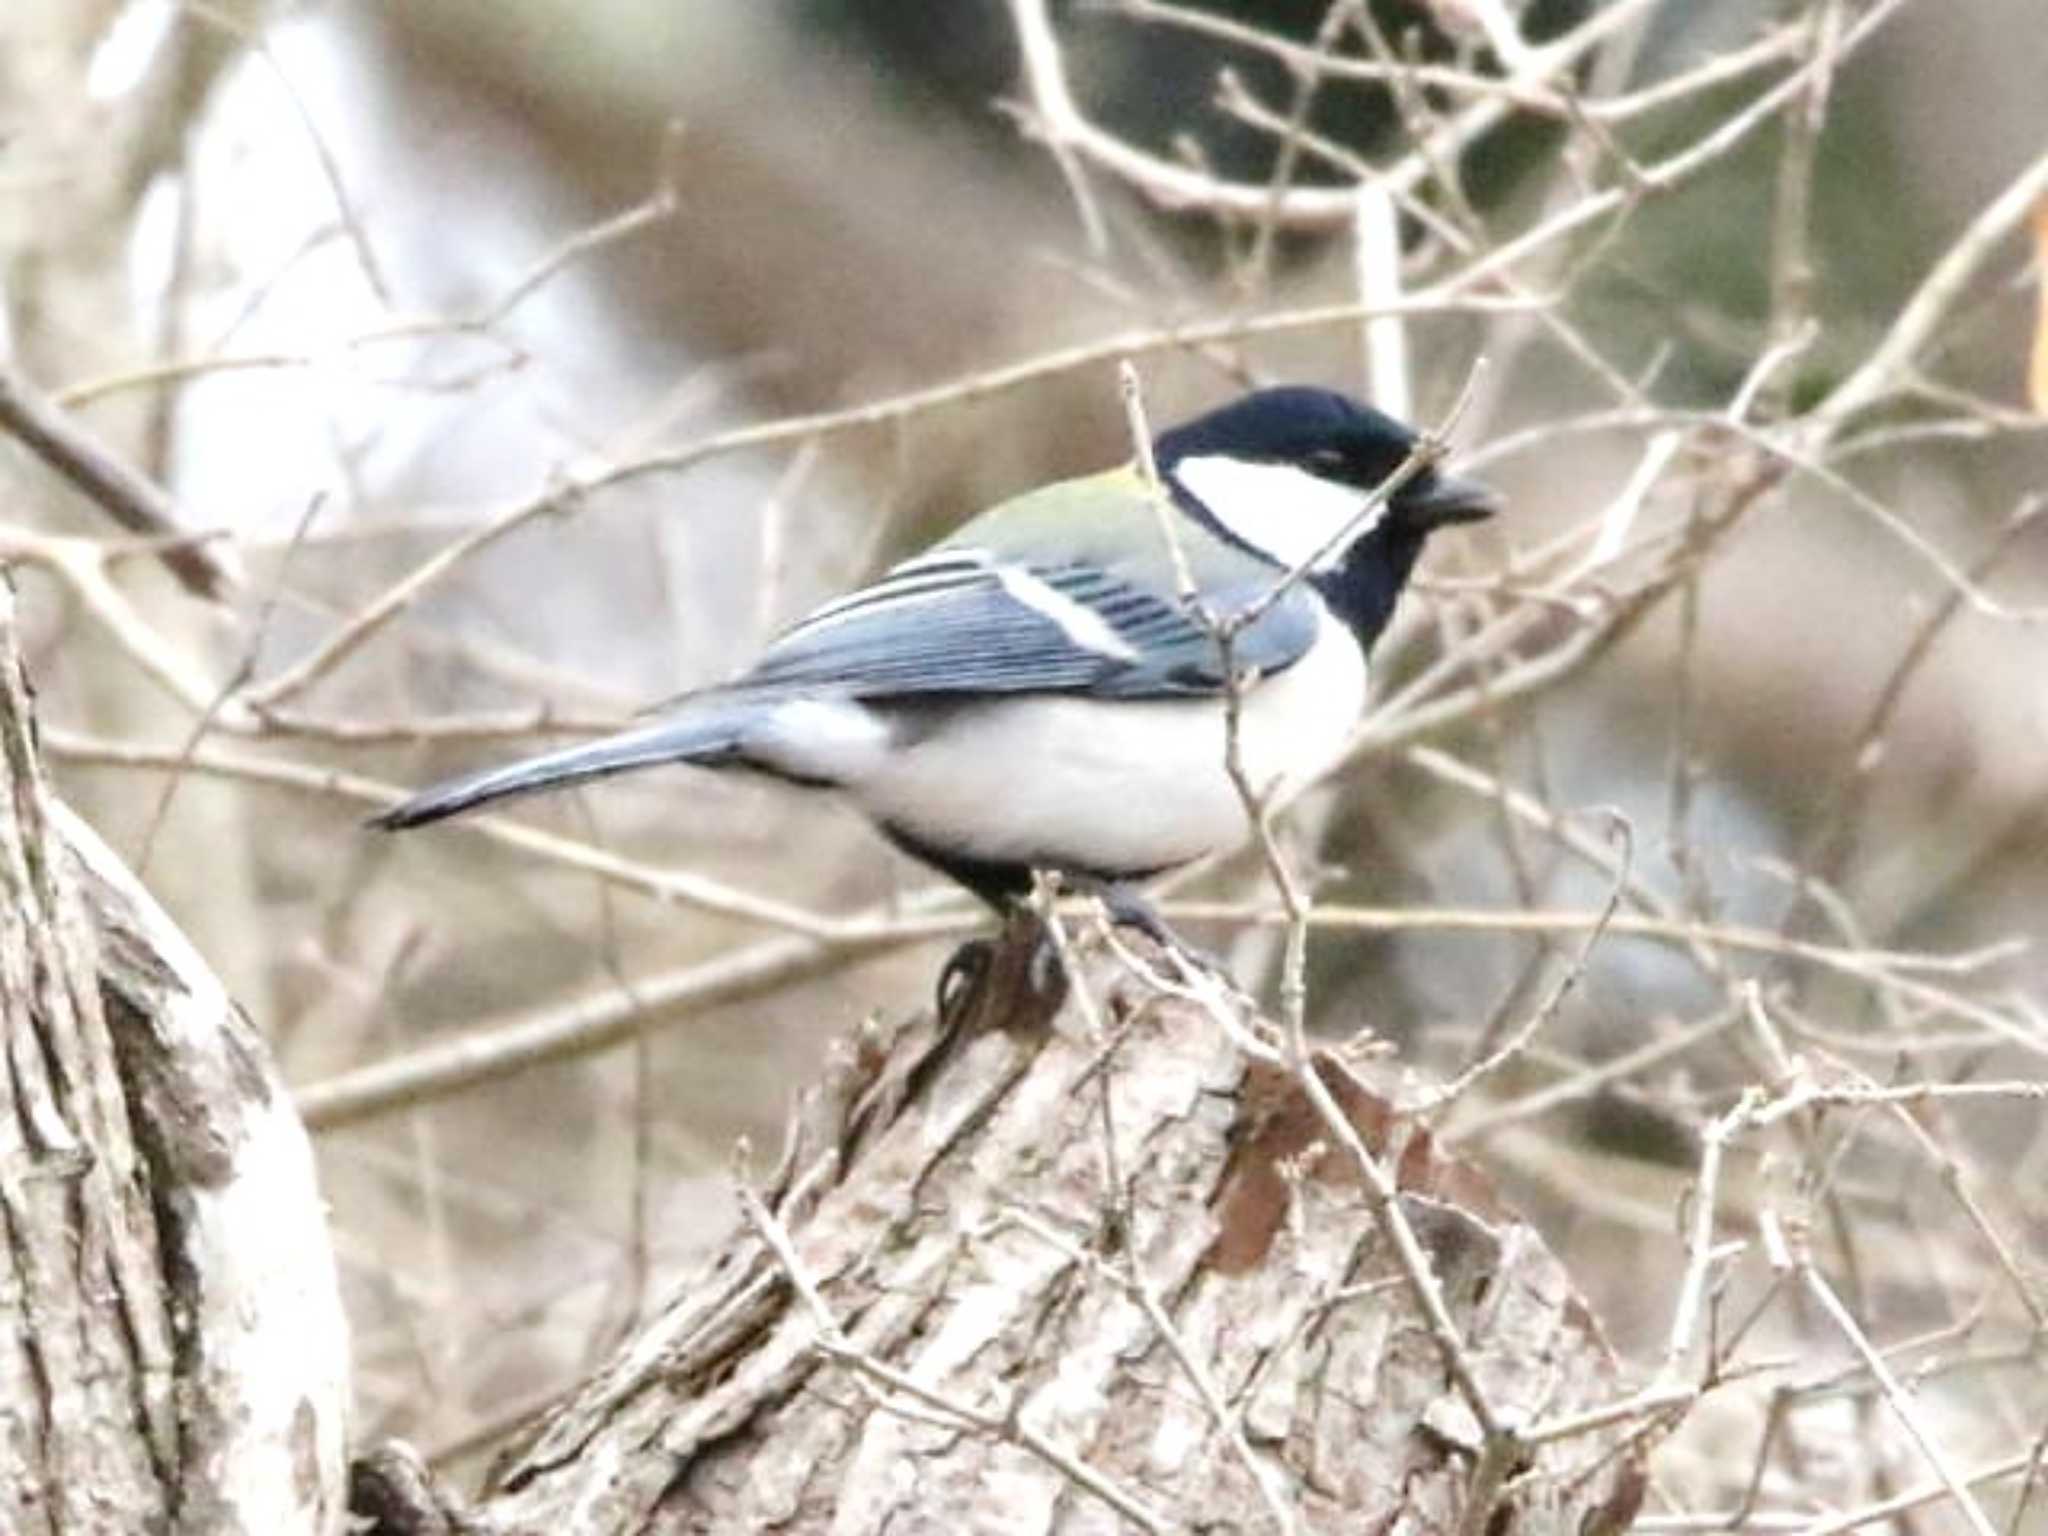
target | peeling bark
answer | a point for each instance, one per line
(947, 1196)
(172, 1351)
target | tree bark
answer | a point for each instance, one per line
(1016, 1265)
(172, 1351)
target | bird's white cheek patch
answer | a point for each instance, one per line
(1287, 512)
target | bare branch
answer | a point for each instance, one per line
(205, 567)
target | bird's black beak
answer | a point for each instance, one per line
(1435, 501)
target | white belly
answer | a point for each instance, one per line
(1110, 786)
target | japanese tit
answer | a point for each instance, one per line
(1033, 692)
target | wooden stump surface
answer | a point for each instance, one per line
(1025, 1276)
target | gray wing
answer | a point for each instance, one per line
(957, 622)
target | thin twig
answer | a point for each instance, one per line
(1045, 77)
(1518, 88)
(1156, 495)
(203, 565)
(1176, 186)
(1701, 1252)
(244, 670)
(1896, 1396)
(1891, 362)
(1518, 1040)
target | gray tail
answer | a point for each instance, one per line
(706, 738)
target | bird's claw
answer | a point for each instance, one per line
(965, 969)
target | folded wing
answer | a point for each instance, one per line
(959, 621)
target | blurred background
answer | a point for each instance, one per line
(538, 361)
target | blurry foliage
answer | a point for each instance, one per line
(1156, 85)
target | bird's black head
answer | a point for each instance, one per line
(1282, 472)
(1317, 429)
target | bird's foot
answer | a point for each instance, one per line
(1044, 971)
(969, 968)
(1127, 908)
(965, 969)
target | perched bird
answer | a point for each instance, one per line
(1034, 693)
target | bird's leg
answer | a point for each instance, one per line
(1046, 972)
(1128, 908)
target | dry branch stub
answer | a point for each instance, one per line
(1013, 1271)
